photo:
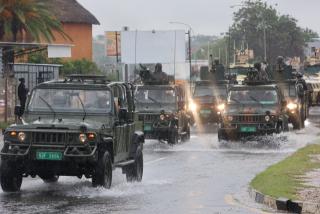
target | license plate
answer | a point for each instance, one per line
(248, 129)
(205, 111)
(49, 155)
(147, 127)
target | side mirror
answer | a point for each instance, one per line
(123, 114)
(17, 111)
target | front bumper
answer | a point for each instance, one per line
(153, 131)
(247, 129)
(29, 151)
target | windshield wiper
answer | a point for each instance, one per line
(254, 99)
(50, 107)
(84, 110)
(155, 101)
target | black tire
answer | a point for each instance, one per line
(10, 177)
(222, 135)
(297, 123)
(49, 178)
(186, 136)
(103, 172)
(173, 137)
(134, 172)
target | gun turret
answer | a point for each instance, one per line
(158, 77)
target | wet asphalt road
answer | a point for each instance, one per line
(200, 176)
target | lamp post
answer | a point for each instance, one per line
(189, 46)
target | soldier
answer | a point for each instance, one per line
(159, 75)
(262, 74)
(217, 69)
(22, 94)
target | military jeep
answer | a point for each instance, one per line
(210, 93)
(162, 109)
(255, 108)
(81, 126)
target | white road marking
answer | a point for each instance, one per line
(154, 161)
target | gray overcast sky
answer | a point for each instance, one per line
(210, 17)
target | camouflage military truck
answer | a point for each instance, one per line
(295, 90)
(162, 108)
(210, 93)
(254, 108)
(82, 126)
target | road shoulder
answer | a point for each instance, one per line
(281, 185)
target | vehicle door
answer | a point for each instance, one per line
(130, 125)
(120, 125)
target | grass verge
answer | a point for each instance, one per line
(282, 179)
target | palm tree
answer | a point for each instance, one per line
(29, 16)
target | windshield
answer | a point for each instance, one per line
(257, 96)
(212, 91)
(67, 100)
(154, 99)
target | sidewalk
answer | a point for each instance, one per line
(292, 184)
(311, 180)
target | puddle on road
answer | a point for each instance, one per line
(277, 143)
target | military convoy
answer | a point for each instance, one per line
(87, 126)
(82, 126)
(162, 107)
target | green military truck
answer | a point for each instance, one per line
(210, 92)
(162, 107)
(254, 108)
(81, 126)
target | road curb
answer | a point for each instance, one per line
(284, 204)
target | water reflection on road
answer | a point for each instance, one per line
(200, 176)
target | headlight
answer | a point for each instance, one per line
(292, 106)
(267, 118)
(21, 136)
(162, 117)
(193, 106)
(13, 134)
(230, 118)
(83, 138)
(221, 107)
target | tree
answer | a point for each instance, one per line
(32, 17)
(257, 21)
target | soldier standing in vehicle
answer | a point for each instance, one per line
(22, 94)
(158, 74)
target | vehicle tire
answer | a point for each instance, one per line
(10, 178)
(297, 123)
(103, 171)
(173, 137)
(134, 172)
(221, 135)
(186, 137)
(49, 178)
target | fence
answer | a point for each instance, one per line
(33, 74)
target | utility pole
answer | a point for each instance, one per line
(190, 65)
(265, 42)
(117, 55)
